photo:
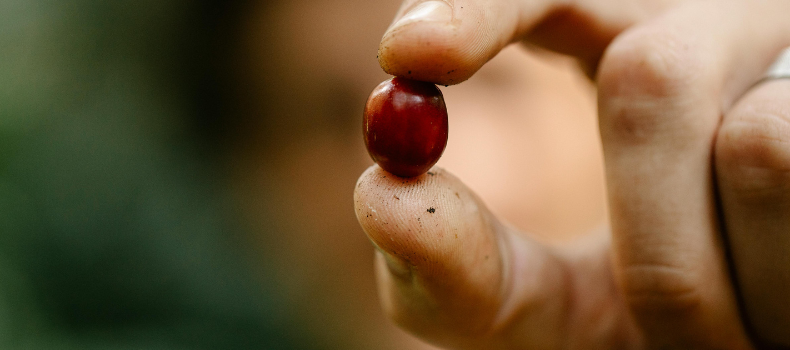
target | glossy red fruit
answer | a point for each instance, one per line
(405, 126)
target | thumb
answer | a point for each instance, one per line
(446, 267)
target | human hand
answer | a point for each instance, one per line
(666, 72)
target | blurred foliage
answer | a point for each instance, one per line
(115, 226)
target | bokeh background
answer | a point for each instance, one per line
(178, 174)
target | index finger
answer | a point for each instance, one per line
(447, 41)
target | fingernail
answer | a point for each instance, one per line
(429, 11)
(397, 266)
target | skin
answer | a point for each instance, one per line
(696, 163)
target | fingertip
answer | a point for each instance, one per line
(446, 266)
(410, 219)
(394, 266)
(432, 223)
(444, 44)
(439, 261)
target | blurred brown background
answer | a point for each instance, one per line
(179, 174)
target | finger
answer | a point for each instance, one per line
(662, 89)
(451, 274)
(753, 172)
(443, 260)
(446, 41)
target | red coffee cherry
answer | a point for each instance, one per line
(405, 126)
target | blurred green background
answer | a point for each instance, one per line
(118, 223)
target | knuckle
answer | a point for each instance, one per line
(753, 148)
(651, 83)
(657, 63)
(653, 289)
